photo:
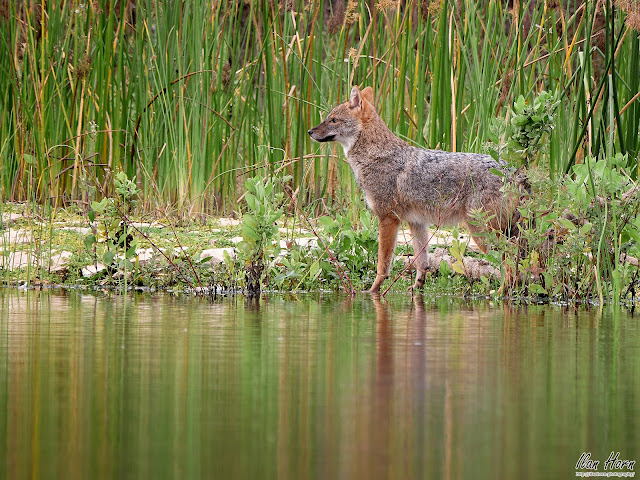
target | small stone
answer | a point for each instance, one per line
(141, 225)
(80, 230)
(144, 254)
(217, 254)
(9, 218)
(91, 270)
(59, 261)
(307, 242)
(228, 222)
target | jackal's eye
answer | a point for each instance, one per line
(333, 120)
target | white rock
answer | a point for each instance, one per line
(15, 237)
(8, 218)
(80, 230)
(145, 254)
(228, 222)
(23, 259)
(16, 260)
(59, 261)
(217, 254)
(141, 225)
(91, 270)
(441, 238)
(299, 231)
(308, 242)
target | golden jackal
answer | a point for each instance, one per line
(403, 182)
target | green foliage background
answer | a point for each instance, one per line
(192, 98)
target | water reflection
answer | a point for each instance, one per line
(104, 386)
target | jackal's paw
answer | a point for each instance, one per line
(421, 275)
(375, 288)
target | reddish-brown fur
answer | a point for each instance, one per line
(422, 187)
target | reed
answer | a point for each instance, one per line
(194, 97)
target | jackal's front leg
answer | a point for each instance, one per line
(386, 245)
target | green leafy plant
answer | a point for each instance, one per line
(354, 246)
(112, 214)
(530, 124)
(457, 251)
(299, 269)
(608, 203)
(260, 243)
(579, 239)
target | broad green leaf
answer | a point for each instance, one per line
(89, 240)
(252, 202)
(250, 234)
(99, 206)
(445, 270)
(107, 257)
(458, 268)
(244, 247)
(314, 269)
(586, 228)
(537, 289)
(568, 224)
(327, 222)
(633, 233)
(249, 221)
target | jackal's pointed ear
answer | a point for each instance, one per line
(355, 101)
(367, 94)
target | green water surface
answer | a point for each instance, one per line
(108, 386)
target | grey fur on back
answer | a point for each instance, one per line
(429, 186)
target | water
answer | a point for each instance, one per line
(102, 386)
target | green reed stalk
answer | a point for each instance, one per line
(236, 85)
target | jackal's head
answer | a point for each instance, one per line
(344, 122)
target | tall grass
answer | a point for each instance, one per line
(192, 96)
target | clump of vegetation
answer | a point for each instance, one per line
(112, 229)
(353, 243)
(577, 240)
(260, 237)
(344, 251)
(112, 214)
(528, 130)
(556, 88)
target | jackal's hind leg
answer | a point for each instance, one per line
(477, 233)
(420, 234)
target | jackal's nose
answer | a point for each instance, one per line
(310, 131)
